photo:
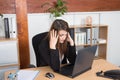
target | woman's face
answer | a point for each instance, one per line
(62, 36)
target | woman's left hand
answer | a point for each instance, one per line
(70, 40)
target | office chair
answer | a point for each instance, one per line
(35, 42)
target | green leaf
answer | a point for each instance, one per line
(1, 15)
(58, 10)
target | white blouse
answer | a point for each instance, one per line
(61, 57)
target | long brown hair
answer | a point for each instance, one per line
(58, 25)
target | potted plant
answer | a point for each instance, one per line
(1, 15)
(56, 8)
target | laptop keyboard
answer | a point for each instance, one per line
(67, 69)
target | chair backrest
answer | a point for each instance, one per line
(35, 42)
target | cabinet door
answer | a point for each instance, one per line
(8, 53)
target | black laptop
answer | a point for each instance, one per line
(82, 64)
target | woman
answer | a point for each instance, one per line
(57, 47)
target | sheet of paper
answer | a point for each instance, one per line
(27, 74)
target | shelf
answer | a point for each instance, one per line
(84, 45)
(97, 57)
(80, 26)
(92, 44)
(7, 39)
(102, 43)
(9, 65)
(95, 34)
(85, 26)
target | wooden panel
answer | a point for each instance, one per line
(34, 6)
(93, 5)
(103, 32)
(102, 50)
(7, 6)
(22, 23)
(78, 5)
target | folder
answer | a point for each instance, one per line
(27, 74)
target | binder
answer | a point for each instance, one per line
(96, 36)
(77, 39)
(80, 38)
(12, 27)
(88, 36)
(71, 31)
(93, 35)
(2, 31)
(6, 26)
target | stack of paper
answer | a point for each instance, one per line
(26, 74)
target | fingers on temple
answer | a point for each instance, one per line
(53, 33)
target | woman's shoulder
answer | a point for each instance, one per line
(44, 42)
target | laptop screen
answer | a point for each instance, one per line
(84, 60)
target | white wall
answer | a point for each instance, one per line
(112, 19)
(37, 23)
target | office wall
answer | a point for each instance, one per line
(113, 21)
(41, 22)
(37, 23)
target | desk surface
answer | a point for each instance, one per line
(98, 65)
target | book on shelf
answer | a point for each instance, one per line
(88, 38)
(12, 27)
(2, 31)
(95, 32)
(6, 27)
(76, 38)
(96, 35)
(71, 31)
(80, 38)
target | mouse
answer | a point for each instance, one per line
(49, 75)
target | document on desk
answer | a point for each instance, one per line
(27, 74)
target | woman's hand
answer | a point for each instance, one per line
(70, 40)
(53, 39)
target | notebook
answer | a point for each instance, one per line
(83, 62)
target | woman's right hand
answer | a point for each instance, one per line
(53, 39)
